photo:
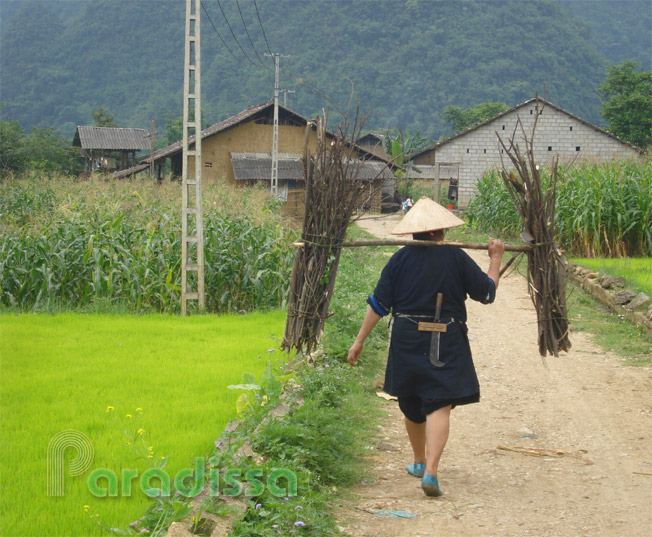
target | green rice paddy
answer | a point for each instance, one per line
(166, 376)
(636, 271)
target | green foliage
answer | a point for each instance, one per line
(627, 102)
(601, 209)
(12, 153)
(461, 119)
(102, 118)
(507, 56)
(43, 150)
(401, 144)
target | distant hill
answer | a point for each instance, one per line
(408, 60)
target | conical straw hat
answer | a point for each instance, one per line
(426, 215)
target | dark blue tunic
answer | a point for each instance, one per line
(408, 286)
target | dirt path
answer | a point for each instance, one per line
(586, 404)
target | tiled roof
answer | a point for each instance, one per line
(111, 138)
(513, 109)
(237, 119)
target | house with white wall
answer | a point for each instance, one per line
(468, 154)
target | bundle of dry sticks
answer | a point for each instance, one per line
(333, 192)
(536, 206)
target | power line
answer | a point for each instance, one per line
(218, 33)
(233, 34)
(263, 29)
(248, 36)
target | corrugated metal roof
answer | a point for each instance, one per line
(129, 172)
(258, 166)
(111, 138)
(427, 172)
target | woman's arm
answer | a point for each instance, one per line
(371, 318)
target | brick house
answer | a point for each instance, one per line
(467, 155)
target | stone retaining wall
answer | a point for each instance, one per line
(610, 291)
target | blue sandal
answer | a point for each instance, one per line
(430, 485)
(417, 469)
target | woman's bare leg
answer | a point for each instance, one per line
(417, 435)
(436, 432)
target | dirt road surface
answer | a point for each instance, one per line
(591, 413)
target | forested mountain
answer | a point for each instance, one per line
(408, 60)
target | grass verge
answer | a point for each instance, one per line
(324, 439)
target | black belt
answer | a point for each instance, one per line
(431, 317)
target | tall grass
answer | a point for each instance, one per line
(601, 209)
(73, 244)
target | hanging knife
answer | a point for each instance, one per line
(436, 328)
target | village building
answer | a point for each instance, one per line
(110, 149)
(373, 143)
(237, 151)
(464, 157)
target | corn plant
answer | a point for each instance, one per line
(601, 209)
(122, 246)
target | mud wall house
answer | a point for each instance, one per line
(237, 151)
(110, 148)
(467, 155)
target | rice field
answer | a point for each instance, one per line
(636, 271)
(162, 375)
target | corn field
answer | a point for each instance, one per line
(70, 245)
(602, 210)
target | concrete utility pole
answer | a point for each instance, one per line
(152, 145)
(192, 244)
(277, 61)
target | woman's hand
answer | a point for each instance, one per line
(354, 353)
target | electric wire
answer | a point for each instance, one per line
(233, 34)
(218, 34)
(249, 37)
(263, 29)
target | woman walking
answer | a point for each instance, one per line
(430, 372)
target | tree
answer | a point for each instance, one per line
(49, 151)
(12, 147)
(461, 119)
(102, 118)
(627, 102)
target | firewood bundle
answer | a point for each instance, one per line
(545, 270)
(333, 192)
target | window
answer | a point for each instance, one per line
(549, 148)
(485, 151)
(577, 148)
(208, 164)
(503, 127)
(467, 150)
(531, 112)
(571, 127)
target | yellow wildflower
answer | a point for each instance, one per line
(128, 416)
(86, 508)
(109, 408)
(139, 410)
(141, 431)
